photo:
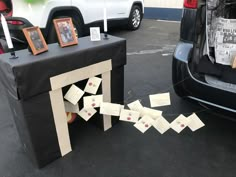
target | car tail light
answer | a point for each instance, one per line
(15, 22)
(192, 4)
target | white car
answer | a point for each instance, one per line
(84, 13)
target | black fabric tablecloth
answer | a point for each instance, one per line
(29, 75)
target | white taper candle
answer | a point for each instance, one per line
(6, 32)
(105, 19)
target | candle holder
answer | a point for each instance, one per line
(106, 36)
(13, 55)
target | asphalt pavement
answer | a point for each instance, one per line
(123, 151)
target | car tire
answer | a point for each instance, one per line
(135, 18)
(52, 35)
(177, 67)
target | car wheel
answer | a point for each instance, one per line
(78, 28)
(135, 18)
(176, 78)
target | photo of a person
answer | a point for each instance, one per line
(65, 32)
(35, 40)
(34, 36)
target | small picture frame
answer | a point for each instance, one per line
(35, 40)
(95, 34)
(65, 32)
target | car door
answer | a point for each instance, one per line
(117, 9)
(91, 10)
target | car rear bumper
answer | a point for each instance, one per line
(199, 90)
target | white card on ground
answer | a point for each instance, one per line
(144, 123)
(161, 124)
(74, 94)
(110, 109)
(93, 85)
(87, 113)
(69, 107)
(129, 115)
(95, 34)
(179, 123)
(136, 106)
(158, 100)
(153, 113)
(195, 122)
(93, 101)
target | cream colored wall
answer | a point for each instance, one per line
(164, 3)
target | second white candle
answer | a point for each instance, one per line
(105, 19)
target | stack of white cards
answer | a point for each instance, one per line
(75, 94)
(142, 117)
(145, 118)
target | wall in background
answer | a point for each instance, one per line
(163, 9)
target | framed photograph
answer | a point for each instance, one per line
(95, 34)
(35, 40)
(65, 32)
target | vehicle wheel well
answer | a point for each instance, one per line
(57, 12)
(138, 4)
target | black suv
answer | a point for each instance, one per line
(196, 70)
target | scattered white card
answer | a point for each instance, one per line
(129, 115)
(136, 106)
(71, 108)
(93, 101)
(93, 85)
(179, 123)
(161, 124)
(144, 124)
(74, 94)
(195, 122)
(87, 113)
(155, 114)
(162, 99)
(110, 109)
(95, 34)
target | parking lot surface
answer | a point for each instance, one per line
(123, 151)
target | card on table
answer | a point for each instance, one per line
(87, 113)
(129, 115)
(136, 106)
(95, 34)
(144, 123)
(93, 101)
(110, 109)
(179, 123)
(153, 113)
(74, 94)
(195, 122)
(158, 100)
(161, 125)
(93, 85)
(69, 107)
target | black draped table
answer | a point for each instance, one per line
(35, 85)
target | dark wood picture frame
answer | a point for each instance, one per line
(35, 40)
(65, 32)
